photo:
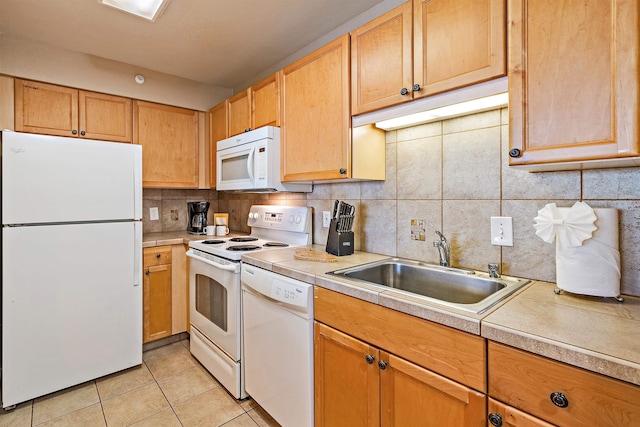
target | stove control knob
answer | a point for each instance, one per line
(253, 215)
(291, 218)
(298, 219)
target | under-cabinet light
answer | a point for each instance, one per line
(147, 9)
(446, 112)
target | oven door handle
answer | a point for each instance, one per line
(228, 267)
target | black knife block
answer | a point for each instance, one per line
(339, 243)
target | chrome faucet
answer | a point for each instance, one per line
(444, 249)
(494, 270)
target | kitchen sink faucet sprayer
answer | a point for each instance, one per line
(444, 249)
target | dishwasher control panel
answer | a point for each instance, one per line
(294, 293)
(288, 292)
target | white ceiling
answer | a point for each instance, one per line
(218, 42)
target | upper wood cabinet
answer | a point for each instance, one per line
(425, 47)
(315, 114)
(255, 107)
(217, 131)
(573, 83)
(169, 139)
(56, 110)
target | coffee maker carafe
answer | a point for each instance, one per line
(197, 217)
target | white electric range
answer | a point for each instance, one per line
(215, 288)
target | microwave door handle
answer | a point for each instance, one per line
(250, 161)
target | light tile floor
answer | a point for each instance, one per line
(170, 388)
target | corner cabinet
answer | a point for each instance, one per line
(387, 368)
(170, 140)
(573, 83)
(425, 47)
(531, 390)
(62, 111)
(315, 114)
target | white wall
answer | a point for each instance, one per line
(38, 61)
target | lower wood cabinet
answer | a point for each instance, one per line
(532, 388)
(165, 293)
(363, 375)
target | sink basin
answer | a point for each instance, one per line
(467, 290)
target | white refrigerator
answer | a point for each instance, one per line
(71, 262)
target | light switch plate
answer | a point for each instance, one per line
(326, 219)
(153, 214)
(502, 231)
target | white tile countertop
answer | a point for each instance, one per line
(597, 334)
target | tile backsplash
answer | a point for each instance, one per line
(454, 174)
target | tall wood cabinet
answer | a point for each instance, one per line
(424, 47)
(573, 82)
(170, 141)
(315, 115)
(157, 293)
(57, 110)
(411, 382)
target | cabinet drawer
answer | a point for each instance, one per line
(457, 355)
(157, 256)
(528, 382)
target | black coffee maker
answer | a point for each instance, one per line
(197, 217)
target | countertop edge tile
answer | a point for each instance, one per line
(580, 357)
(361, 292)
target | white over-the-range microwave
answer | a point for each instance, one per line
(250, 162)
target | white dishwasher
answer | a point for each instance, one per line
(277, 315)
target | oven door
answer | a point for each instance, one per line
(214, 301)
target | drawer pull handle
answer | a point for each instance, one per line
(559, 399)
(158, 256)
(369, 358)
(382, 365)
(495, 420)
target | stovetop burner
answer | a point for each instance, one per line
(243, 239)
(243, 247)
(275, 245)
(212, 242)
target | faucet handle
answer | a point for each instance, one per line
(494, 270)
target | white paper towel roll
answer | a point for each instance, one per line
(594, 267)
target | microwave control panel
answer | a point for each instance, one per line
(261, 163)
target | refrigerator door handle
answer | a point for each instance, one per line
(137, 184)
(137, 250)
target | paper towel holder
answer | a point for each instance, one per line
(618, 298)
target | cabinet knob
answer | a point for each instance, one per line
(515, 152)
(559, 399)
(147, 272)
(369, 358)
(75, 132)
(404, 91)
(248, 130)
(382, 365)
(343, 171)
(416, 87)
(83, 133)
(158, 256)
(495, 419)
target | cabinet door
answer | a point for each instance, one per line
(573, 83)
(265, 102)
(169, 139)
(315, 115)
(239, 113)
(156, 302)
(45, 109)
(104, 117)
(457, 43)
(217, 132)
(501, 415)
(347, 390)
(381, 61)
(412, 395)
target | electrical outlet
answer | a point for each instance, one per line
(326, 219)
(153, 214)
(502, 231)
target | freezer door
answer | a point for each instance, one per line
(51, 179)
(71, 305)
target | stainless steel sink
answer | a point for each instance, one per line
(467, 290)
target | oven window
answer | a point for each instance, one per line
(211, 300)
(235, 168)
